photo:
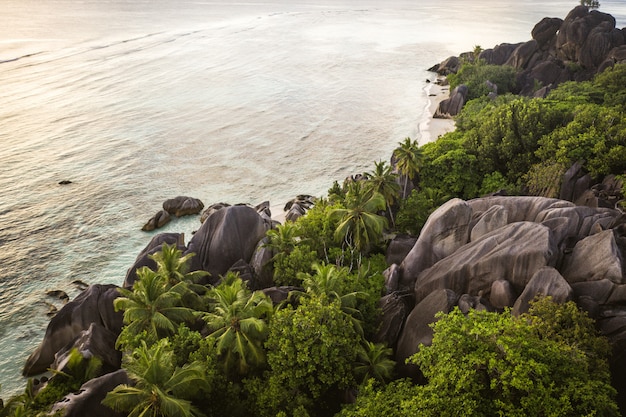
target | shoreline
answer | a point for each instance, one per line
(429, 129)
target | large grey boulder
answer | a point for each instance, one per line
(97, 342)
(518, 209)
(395, 308)
(261, 263)
(227, 236)
(545, 31)
(445, 231)
(93, 305)
(547, 281)
(499, 54)
(523, 55)
(399, 248)
(502, 294)
(88, 400)
(452, 106)
(515, 251)
(183, 206)
(417, 327)
(493, 218)
(155, 245)
(595, 258)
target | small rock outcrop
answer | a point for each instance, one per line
(183, 206)
(160, 219)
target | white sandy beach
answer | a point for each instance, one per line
(430, 128)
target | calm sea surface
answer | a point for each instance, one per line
(139, 101)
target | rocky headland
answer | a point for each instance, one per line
(576, 48)
(489, 253)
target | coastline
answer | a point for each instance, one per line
(429, 129)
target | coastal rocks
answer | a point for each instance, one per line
(545, 31)
(183, 206)
(446, 230)
(449, 66)
(97, 342)
(452, 106)
(399, 248)
(499, 54)
(88, 400)
(575, 48)
(395, 308)
(212, 209)
(155, 245)
(595, 258)
(546, 281)
(94, 305)
(160, 219)
(298, 207)
(227, 236)
(417, 328)
(515, 251)
(178, 207)
(501, 252)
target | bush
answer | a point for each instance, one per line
(548, 362)
(475, 75)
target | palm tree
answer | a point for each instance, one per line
(238, 323)
(161, 389)
(359, 224)
(282, 239)
(374, 361)
(328, 280)
(408, 159)
(174, 267)
(383, 180)
(152, 306)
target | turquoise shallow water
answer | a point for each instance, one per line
(137, 102)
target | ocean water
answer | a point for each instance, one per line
(139, 101)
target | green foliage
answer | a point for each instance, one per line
(360, 227)
(408, 161)
(152, 306)
(391, 400)
(161, 389)
(183, 343)
(487, 364)
(452, 168)
(495, 181)
(383, 180)
(328, 282)
(593, 4)
(474, 75)
(238, 322)
(596, 134)
(374, 361)
(544, 179)
(310, 353)
(174, 267)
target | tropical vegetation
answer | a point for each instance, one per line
(193, 350)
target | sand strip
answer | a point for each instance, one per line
(429, 128)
